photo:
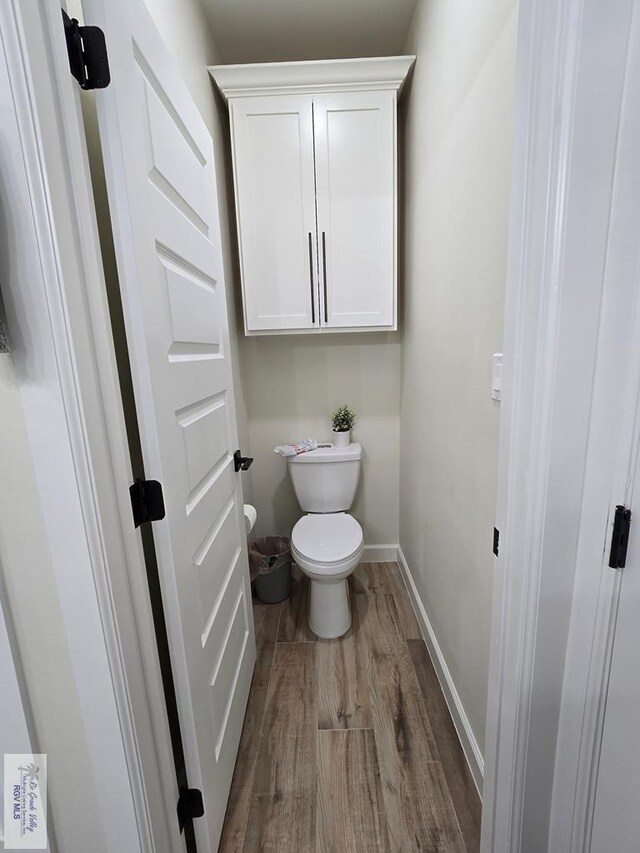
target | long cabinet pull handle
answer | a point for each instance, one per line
(313, 302)
(324, 270)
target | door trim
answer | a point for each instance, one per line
(616, 432)
(546, 59)
(139, 795)
(565, 135)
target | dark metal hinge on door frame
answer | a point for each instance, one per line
(620, 537)
(190, 805)
(87, 50)
(147, 501)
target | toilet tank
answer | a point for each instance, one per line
(326, 479)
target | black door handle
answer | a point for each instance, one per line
(240, 462)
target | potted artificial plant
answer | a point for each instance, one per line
(343, 420)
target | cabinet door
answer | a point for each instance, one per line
(356, 194)
(275, 199)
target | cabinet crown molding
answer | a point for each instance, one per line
(330, 75)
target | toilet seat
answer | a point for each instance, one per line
(328, 547)
(327, 544)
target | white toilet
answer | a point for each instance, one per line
(327, 543)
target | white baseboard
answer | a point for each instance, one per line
(380, 554)
(456, 709)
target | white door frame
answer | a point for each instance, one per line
(611, 479)
(570, 78)
(97, 555)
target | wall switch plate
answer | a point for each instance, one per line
(496, 376)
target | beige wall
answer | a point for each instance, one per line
(293, 384)
(457, 170)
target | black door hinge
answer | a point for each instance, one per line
(190, 805)
(87, 49)
(496, 541)
(147, 501)
(240, 462)
(620, 538)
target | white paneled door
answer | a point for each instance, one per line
(162, 193)
(275, 197)
(355, 159)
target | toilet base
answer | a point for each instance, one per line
(329, 608)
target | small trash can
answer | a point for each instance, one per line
(270, 568)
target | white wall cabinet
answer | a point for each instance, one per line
(276, 210)
(315, 172)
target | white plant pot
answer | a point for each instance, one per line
(341, 439)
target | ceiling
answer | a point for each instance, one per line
(284, 30)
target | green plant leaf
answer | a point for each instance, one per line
(343, 419)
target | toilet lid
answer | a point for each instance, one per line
(327, 538)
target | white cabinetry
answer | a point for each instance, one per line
(276, 207)
(315, 171)
(355, 135)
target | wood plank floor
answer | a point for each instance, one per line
(348, 744)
